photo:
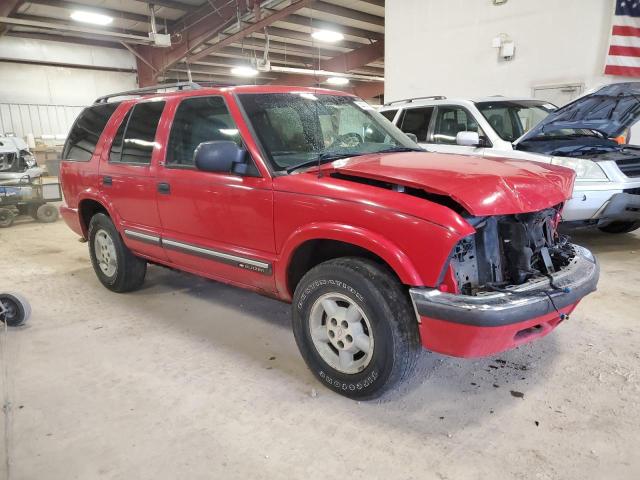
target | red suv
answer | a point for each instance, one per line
(312, 197)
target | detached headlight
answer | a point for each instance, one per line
(585, 169)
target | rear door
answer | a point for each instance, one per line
(127, 176)
(417, 120)
(216, 224)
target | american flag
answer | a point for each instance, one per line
(624, 46)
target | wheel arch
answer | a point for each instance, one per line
(87, 208)
(317, 243)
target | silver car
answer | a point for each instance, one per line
(17, 164)
(581, 135)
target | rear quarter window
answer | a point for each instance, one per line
(85, 133)
(389, 114)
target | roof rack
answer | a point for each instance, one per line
(409, 100)
(151, 89)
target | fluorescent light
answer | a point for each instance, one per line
(90, 17)
(229, 131)
(244, 71)
(327, 36)
(337, 80)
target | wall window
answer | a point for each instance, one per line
(139, 134)
(450, 121)
(198, 120)
(416, 121)
(86, 131)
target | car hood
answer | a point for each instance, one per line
(610, 110)
(483, 186)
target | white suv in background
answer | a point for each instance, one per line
(580, 135)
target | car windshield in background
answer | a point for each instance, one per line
(297, 129)
(512, 119)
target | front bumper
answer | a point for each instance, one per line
(623, 207)
(472, 326)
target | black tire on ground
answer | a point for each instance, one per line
(16, 309)
(47, 213)
(6, 218)
(129, 270)
(385, 303)
(620, 227)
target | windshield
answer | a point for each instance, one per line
(300, 128)
(512, 119)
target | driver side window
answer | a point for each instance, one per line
(450, 121)
(198, 120)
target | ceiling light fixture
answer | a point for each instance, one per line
(337, 80)
(327, 36)
(91, 17)
(244, 71)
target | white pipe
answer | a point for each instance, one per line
(325, 73)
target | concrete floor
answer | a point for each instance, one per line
(189, 378)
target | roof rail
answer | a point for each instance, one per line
(151, 89)
(409, 100)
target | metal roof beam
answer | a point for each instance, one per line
(249, 29)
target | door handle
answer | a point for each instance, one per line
(106, 180)
(164, 187)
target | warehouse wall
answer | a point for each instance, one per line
(45, 100)
(443, 47)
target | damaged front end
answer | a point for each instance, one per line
(508, 250)
(515, 279)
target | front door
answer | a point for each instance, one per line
(216, 224)
(127, 176)
(449, 121)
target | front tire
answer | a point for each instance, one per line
(620, 227)
(115, 265)
(355, 327)
(6, 218)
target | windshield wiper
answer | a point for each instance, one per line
(399, 149)
(546, 138)
(321, 159)
(331, 156)
(584, 150)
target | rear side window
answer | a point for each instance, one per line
(139, 134)
(198, 120)
(416, 121)
(83, 138)
(389, 114)
(116, 145)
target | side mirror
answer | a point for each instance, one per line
(468, 139)
(222, 156)
(412, 136)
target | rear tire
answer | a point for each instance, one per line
(115, 265)
(365, 335)
(620, 227)
(47, 213)
(6, 218)
(16, 309)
